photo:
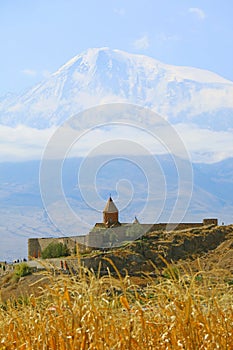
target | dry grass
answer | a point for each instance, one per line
(194, 311)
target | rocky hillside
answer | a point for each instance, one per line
(213, 245)
(209, 249)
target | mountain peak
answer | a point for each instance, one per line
(91, 55)
(104, 75)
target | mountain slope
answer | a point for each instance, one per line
(180, 94)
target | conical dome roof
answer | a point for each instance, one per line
(110, 207)
(136, 220)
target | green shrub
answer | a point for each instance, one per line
(55, 250)
(22, 269)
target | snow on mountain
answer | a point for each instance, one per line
(180, 94)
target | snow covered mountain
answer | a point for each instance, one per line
(180, 94)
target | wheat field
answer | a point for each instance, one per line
(189, 311)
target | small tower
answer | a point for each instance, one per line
(110, 213)
(136, 220)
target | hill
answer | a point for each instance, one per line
(211, 245)
(207, 250)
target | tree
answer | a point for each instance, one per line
(55, 250)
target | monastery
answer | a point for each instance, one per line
(109, 233)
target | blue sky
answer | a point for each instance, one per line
(37, 37)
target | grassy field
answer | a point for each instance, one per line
(180, 311)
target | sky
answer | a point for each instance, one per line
(37, 37)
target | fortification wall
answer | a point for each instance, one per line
(174, 226)
(210, 222)
(183, 225)
(98, 238)
(34, 249)
(37, 245)
(95, 239)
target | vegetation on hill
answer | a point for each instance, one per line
(22, 269)
(55, 250)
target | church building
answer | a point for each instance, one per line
(109, 233)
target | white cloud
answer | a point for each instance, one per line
(101, 141)
(29, 72)
(199, 13)
(22, 143)
(141, 43)
(218, 147)
(25, 143)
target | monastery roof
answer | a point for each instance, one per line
(110, 207)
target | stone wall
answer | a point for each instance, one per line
(210, 222)
(174, 226)
(183, 225)
(37, 245)
(97, 239)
